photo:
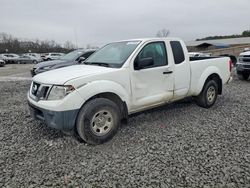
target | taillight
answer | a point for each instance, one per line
(230, 65)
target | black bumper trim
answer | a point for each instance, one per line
(62, 120)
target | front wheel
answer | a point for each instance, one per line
(243, 76)
(208, 95)
(98, 121)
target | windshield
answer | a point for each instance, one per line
(72, 56)
(113, 55)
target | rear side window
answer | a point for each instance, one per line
(177, 52)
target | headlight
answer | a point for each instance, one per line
(59, 92)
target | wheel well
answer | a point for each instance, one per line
(218, 80)
(116, 99)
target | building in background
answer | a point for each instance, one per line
(233, 46)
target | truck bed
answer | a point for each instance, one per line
(202, 58)
(202, 67)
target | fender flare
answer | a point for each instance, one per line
(94, 88)
(208, 72)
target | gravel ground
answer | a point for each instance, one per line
(22, 70)
(178, 145)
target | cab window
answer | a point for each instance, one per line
(178, 53)
(156, 51)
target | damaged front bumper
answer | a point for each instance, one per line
(62, 120)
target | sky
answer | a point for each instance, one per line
(97, 22)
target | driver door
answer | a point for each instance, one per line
(152, 85)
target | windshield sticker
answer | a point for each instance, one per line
(133, 43)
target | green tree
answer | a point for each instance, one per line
(246, 33)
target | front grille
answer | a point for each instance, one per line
(246, 55)
(39, 91)
(246, 66)
(246, 60)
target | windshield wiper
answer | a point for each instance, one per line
(97, 63)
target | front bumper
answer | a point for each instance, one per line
(62, 120)
(35, 71)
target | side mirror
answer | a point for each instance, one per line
(143, 63)
(81, 59)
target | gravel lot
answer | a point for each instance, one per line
(178, 145)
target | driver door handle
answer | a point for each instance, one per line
(168, 72)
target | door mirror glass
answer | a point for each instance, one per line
(144, 63)
(152, 55)
(81, 59)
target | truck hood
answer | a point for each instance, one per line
(62, 75)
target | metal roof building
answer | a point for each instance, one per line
(233, 46)
(221, 42)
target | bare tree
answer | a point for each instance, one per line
(11, 44)
(89, 46)
(163, 33)
(69, 45)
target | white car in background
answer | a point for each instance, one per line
(35, 57)
(51, 56)
(243, 66)
(9, 58)
(198, 54)
(246, 49)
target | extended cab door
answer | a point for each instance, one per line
(153, 84)
(182, 73)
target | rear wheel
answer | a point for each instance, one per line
(208, 95)
(98, 121)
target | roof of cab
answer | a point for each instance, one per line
(150, 39)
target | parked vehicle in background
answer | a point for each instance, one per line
(246, 49)
(123, 78)
(51, 56)
(72, 58)
(35, 56)
(26, 59)
(9, 58)
(2, 63)
(243, 66)
(198, 54)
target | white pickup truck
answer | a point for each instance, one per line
(123, 78)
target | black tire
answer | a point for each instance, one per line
(92, 117)
(35, 62)
(204, 99)
(243, 76)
